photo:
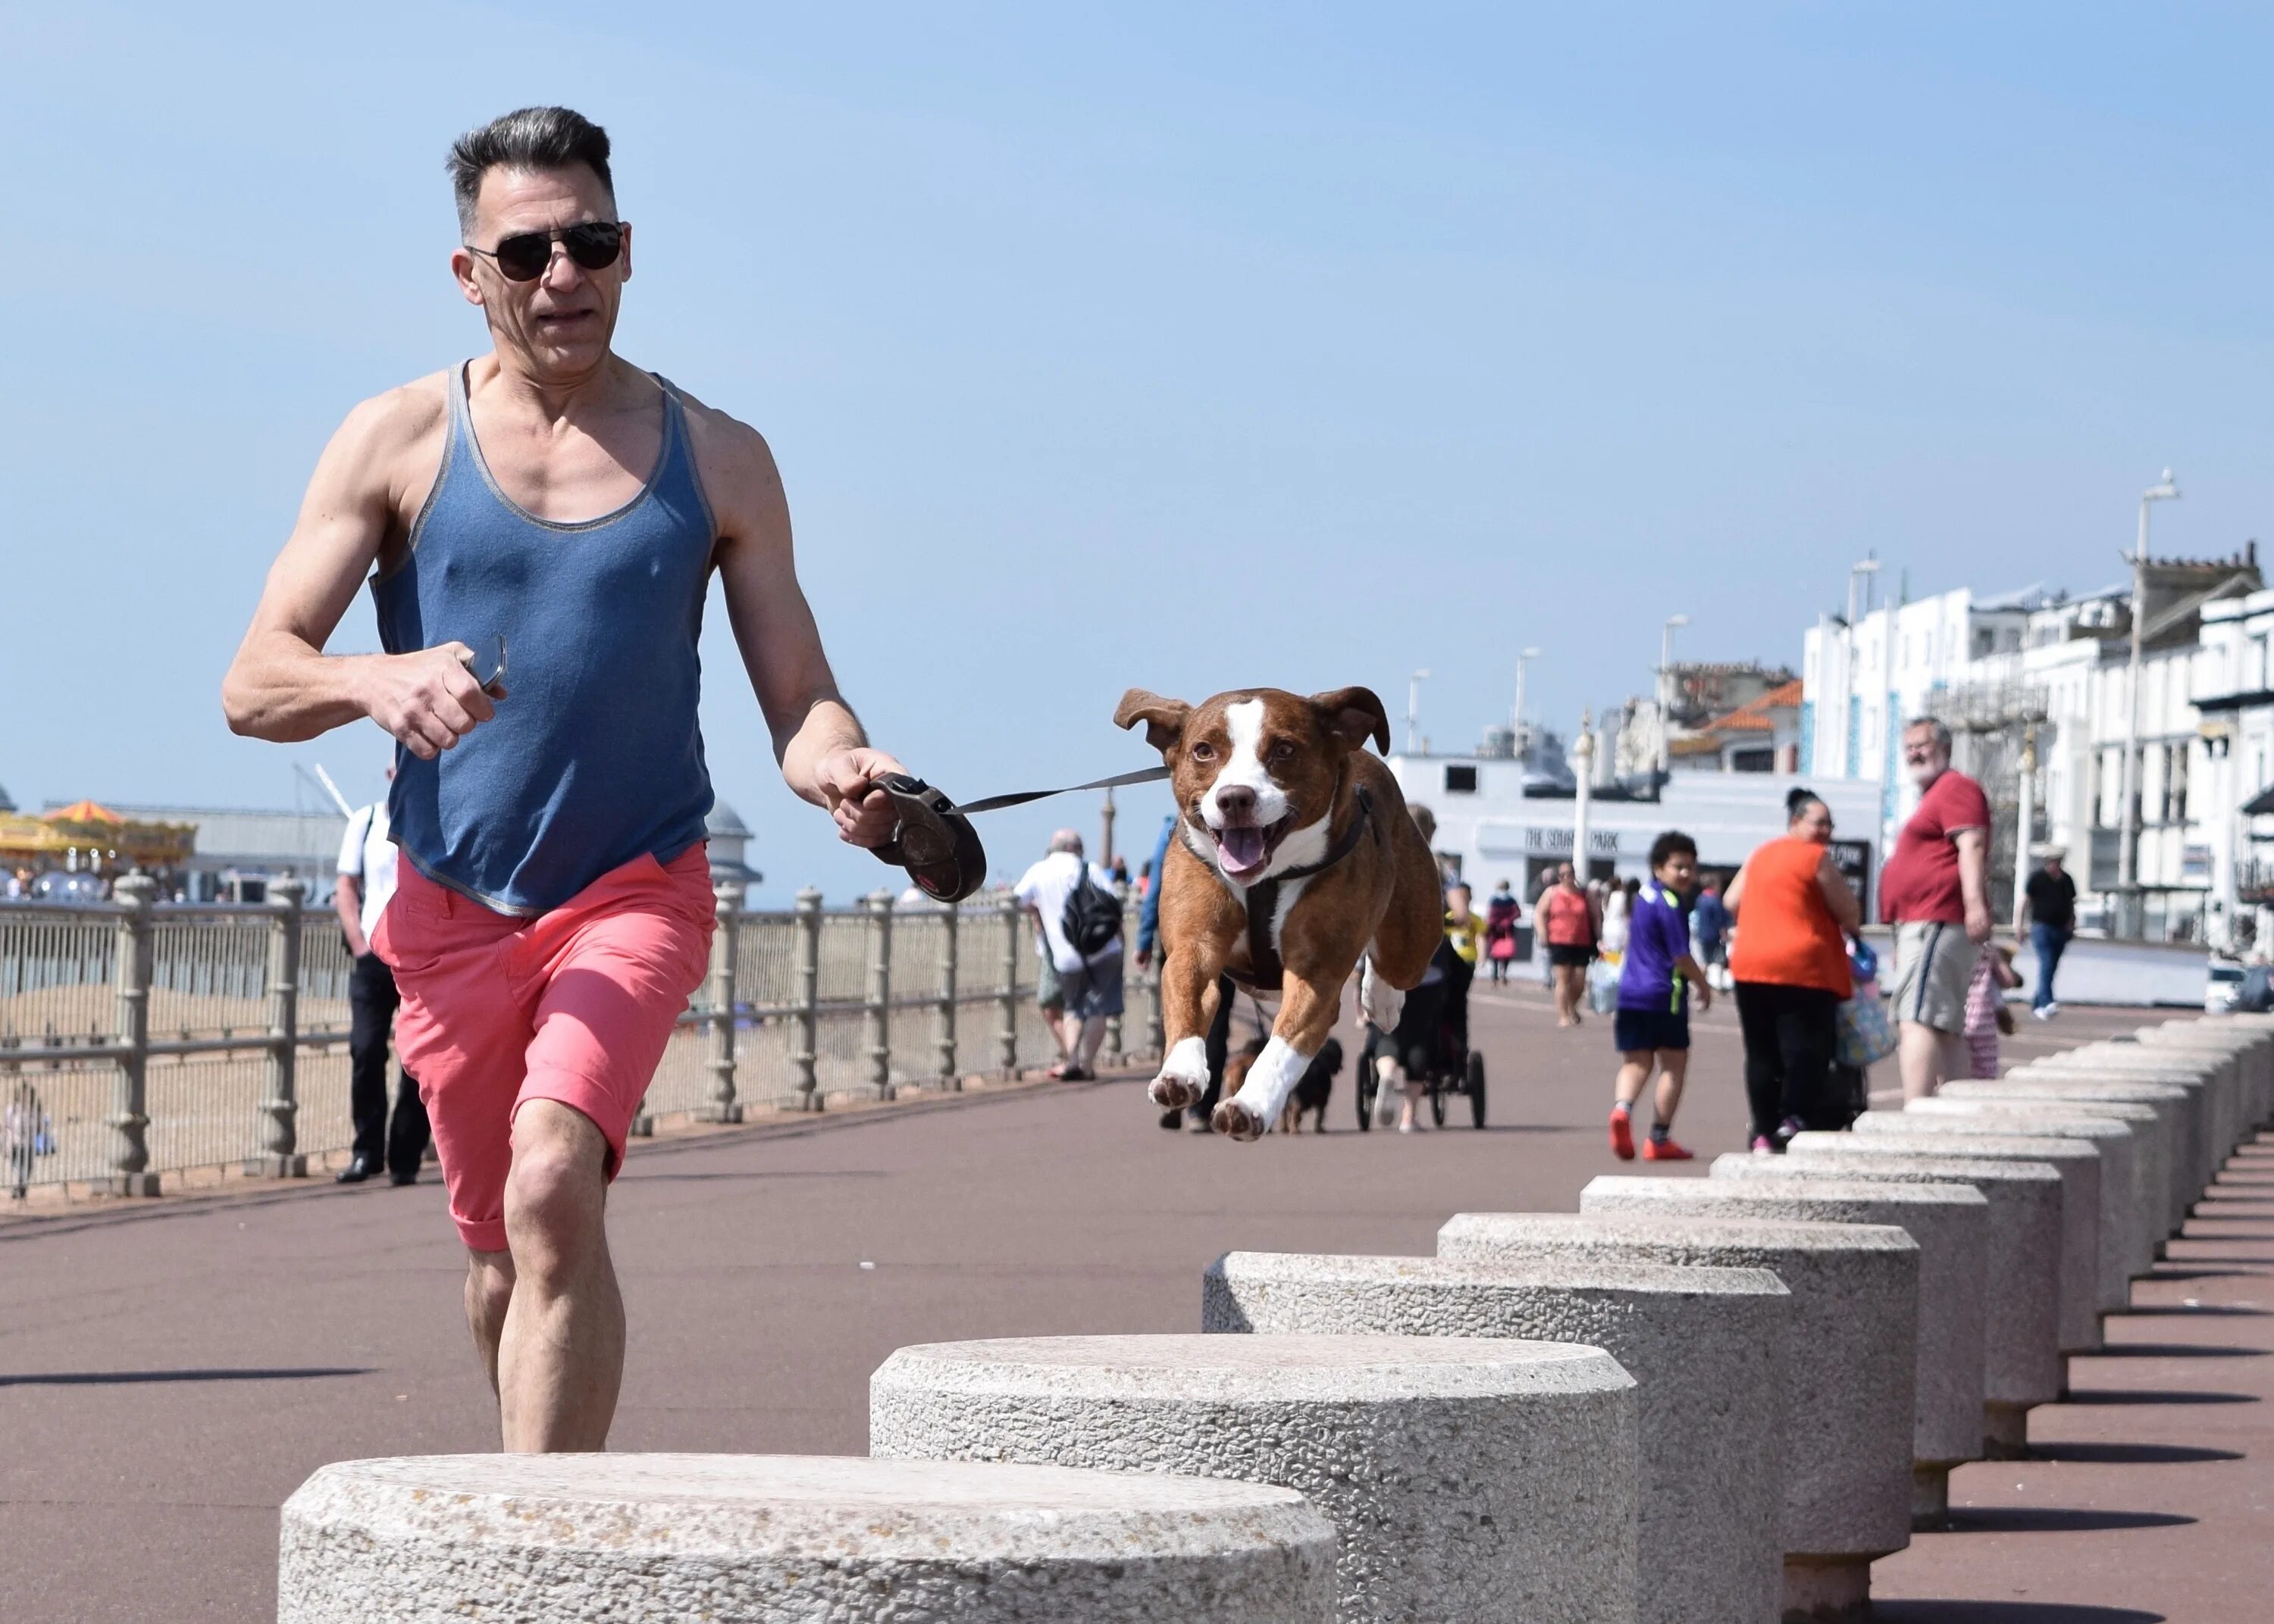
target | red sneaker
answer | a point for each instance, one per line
(1664, 1150)
(1622, 1136)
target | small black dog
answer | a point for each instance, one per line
(1315, 1086)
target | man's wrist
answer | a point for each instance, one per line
(354, 673)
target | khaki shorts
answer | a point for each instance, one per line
(1934, 962)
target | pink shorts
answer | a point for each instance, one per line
(574, 1005)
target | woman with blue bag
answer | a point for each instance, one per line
(1794, 912)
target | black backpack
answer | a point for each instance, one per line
(1091, 918)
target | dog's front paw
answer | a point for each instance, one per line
(1236, 1121)
(1173, 1094)
(1184, 1075)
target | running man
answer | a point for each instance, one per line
(551, 507)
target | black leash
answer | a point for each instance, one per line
(935, 843)
(996, 804)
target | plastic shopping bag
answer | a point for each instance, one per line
(1866, 1034)
(1603, 986)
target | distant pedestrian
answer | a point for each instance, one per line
(1788, 962)
(1656, 982)
(365, 883)
(2049, 900)
(1063, 892)
(1502, 913)
(1465, 933)
(26, 1134)
(1120, 871)
(1616, 907)
(1933, 890)
(1709, 929)
(1566, 920)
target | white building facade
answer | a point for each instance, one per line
(2037, 688)
(1489, 830)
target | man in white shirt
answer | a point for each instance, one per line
(367, 880)
(1091, 983)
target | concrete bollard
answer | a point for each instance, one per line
(2200, 1156)
(1468, 1478)
(2179, 1110)
(2112, 1271)
(1849, 1366)
(1950, 1222)
(1705, 1347)
(2251, 1053)
(2252, 1059)
(2224, 1107)
(2142, 1213)
(2077, 1310)
(788, 1539)
(2252, 1048)
(2021, 1339)
(2204, 1043)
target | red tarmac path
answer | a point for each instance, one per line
(168, 1374)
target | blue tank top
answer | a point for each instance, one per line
(595, 757)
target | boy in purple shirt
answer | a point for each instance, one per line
(1652, 1027)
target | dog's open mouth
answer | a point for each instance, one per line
(1244, 848)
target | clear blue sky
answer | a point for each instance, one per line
(1192, 347)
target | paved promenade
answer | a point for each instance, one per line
(169, 1375)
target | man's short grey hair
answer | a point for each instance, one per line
(1066, 840)
(529, 137)
(1941, 730)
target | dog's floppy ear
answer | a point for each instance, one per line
(1164, 718)
(1353, 715)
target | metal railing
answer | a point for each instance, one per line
(140, 1040)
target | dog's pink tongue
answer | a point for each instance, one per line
(1243, 846)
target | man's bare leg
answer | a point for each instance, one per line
(489, 1292)
(560, 1348)
(1922, 1055)
(1092, 1039)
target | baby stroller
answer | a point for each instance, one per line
(1431, 1043)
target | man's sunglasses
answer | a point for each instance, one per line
(523, 256)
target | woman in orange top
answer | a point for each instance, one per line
(1793, 908)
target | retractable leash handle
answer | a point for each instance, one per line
(934, 839)
(934, 842)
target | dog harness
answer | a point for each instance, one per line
(1265, 971)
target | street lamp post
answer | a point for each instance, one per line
(1666, 691)
(1860, 575)
(1413, 712)
(1583, 752)
(2025, 821)
(2128, 856)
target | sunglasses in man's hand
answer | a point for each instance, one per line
(493, 684)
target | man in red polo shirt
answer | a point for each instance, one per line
(1933, 890)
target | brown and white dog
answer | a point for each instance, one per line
(1297, 860)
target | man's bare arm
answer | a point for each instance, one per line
(1973, 874)
(824, 756)
(281, 686)
(1839, 896)
(347, 902)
